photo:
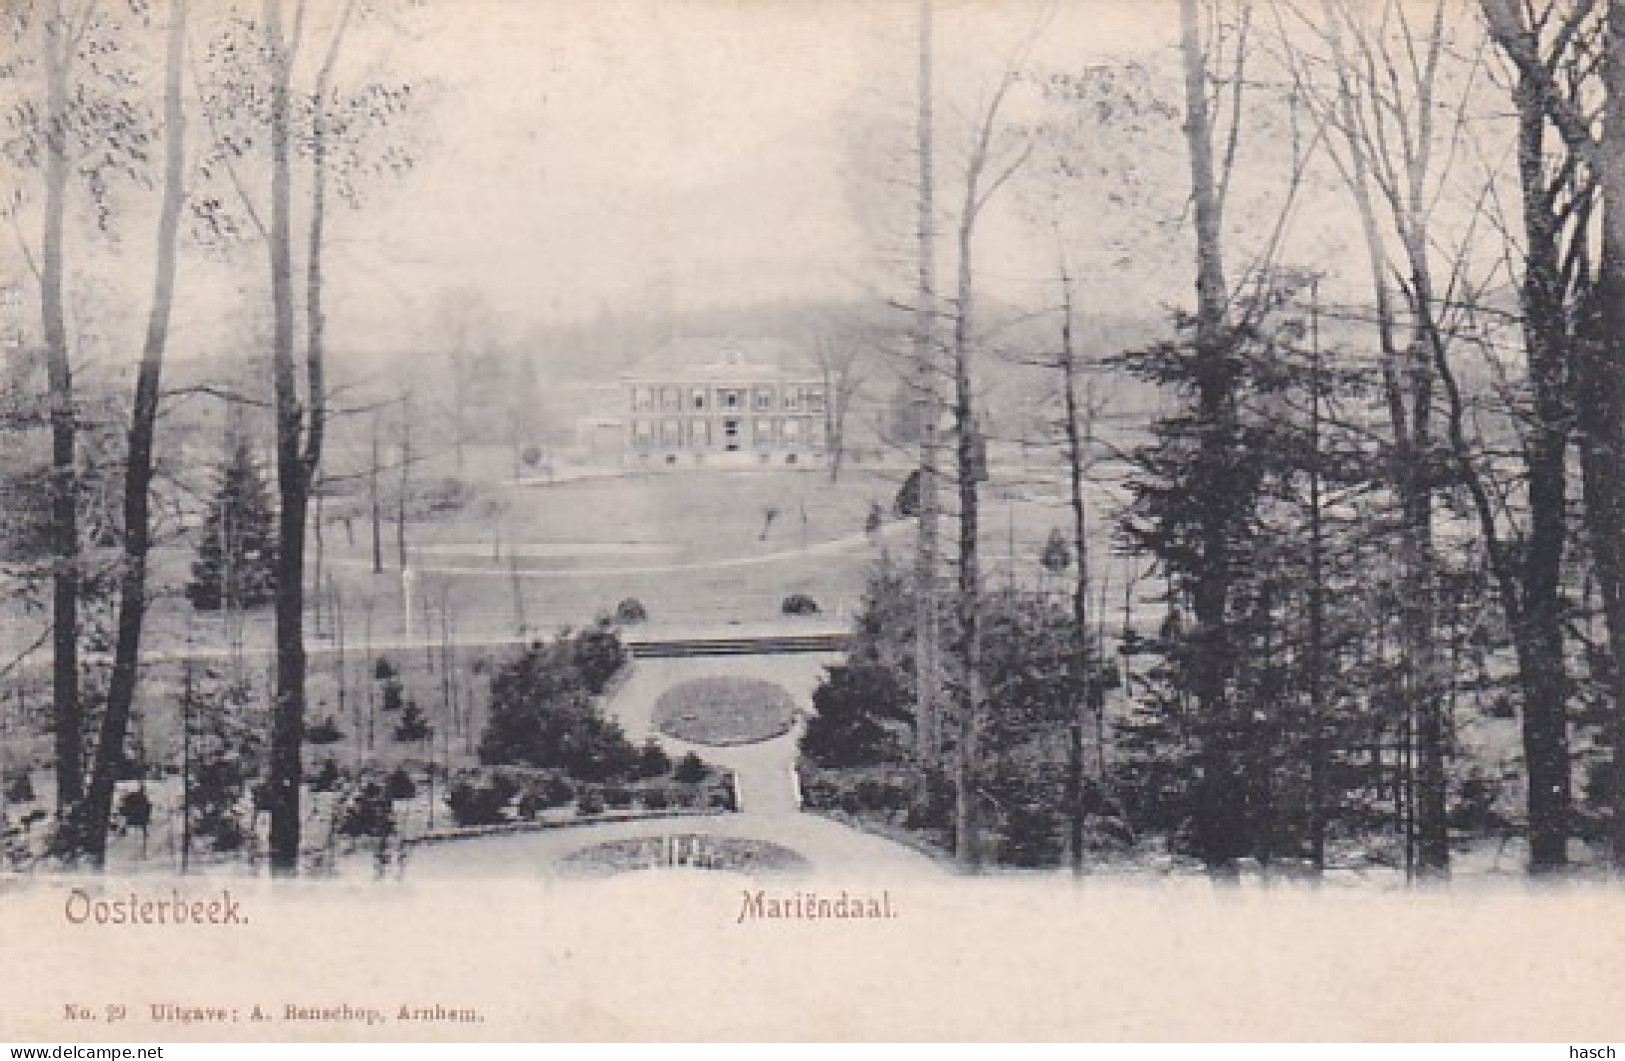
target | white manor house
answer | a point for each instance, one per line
(720, 402)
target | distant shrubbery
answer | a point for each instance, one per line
(631, 611)
(799, 604)
(324, 731)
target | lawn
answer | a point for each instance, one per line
(724, 710)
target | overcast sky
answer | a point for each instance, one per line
(589, 154)
(581, 155)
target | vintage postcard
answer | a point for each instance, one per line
(812, 520)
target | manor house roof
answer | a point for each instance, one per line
(707, 360)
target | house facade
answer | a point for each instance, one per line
(724, 402)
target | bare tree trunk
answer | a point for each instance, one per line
(65, 705)
(967, 817)
(1538, 624)
(927, 679)
(288, 722)
(1317, 607)
(406, 470)
(97, 807)
(1601, 389)
(1560, 359)
(372, 497)
(1085, 682)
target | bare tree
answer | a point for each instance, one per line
(838, 367)
(96, 811)
(928, 415)
(989, 165)
(1571, 70)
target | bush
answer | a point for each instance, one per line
(474, 803)
(907, 502)
(413, 726)
(136, 809)
(324, 731)
(598, 654)
(875, 794)
(383, 669)
(799, 604)
(20, 789)
(543, 715)
(852, 707)
(932, 808)
(631, 611)
(545, 792)
(370, 813)
(653, 760)
(590, 802)
(658, 798)
(617, 796)
(399, 784)
(1031, 836)
(327, 777)
(691, 770)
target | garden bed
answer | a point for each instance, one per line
(725, 711)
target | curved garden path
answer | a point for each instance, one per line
(770, 808)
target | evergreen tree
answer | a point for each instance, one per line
(236, 556)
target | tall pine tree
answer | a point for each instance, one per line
(235, 565)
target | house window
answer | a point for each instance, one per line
(671, 432)
(815, 432)
(642, 434)
(643, 398)
(792, 398)
(729, 398)
(764, 433)
(792, 432)
(697, 398)
(815, 399)
(668, 398)
(699, 433)
(764, 398)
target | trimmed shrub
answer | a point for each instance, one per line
(691, 770)
(631, 610)
(653, 760)
(799, 604)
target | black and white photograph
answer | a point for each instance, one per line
(1098, 520)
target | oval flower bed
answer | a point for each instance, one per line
(723, 711)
